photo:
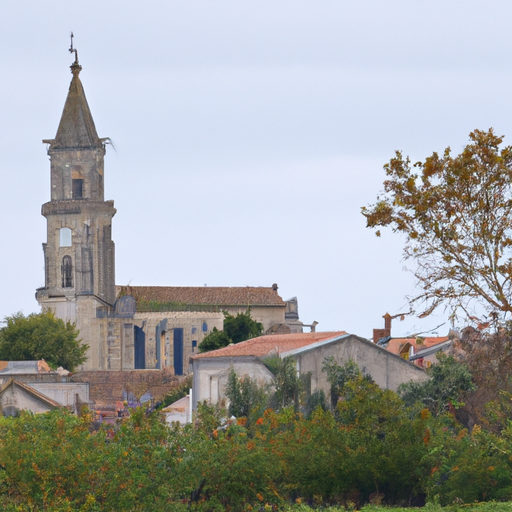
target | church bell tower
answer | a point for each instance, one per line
(79, 251)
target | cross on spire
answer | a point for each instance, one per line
(73, 50)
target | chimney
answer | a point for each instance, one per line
(274, 287)
(378, 334)
(387, 322)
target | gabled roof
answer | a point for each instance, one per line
(395, 345)
(205, 295)
(271, 344)
(431, 350)
(40, 396)
(180, 405)
(76, 127)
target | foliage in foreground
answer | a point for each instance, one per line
(41, 336)
(372, 449)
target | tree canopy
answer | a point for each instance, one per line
(456, 215)
(236, 329)
(41, 336)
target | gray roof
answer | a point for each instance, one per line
(431, 350)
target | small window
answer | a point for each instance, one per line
(67, 272)
(205, 327)
(65, 237)
(194, 329)
(78, 189)
(194, 345)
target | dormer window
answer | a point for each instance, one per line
(78, 186)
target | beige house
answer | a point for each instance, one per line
(34, 386)
(309, 350)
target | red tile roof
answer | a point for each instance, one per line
(265, 345)
(396, 344)
(205, 295)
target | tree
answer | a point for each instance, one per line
(456, 215)
(338, 375)
(287, 384)
(244, 395)
(241, 327)
(236, 329)
(41, 336)
(449, 383)
(216, 339)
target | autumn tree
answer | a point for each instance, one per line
(41, 336)
(456, 215)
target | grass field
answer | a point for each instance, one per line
(430, 507)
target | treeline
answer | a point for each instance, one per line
(372, 448)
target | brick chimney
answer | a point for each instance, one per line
(378, 334)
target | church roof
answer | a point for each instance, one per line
(76, 127)
(205, 295)
(271, 344)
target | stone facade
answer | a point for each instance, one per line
(129, 327)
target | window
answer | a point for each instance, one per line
(77, 188)
(205, 327)
(194, 345)
(65, 237)
(67, 272)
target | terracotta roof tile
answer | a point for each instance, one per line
(265, 345)
(395, 344)
(205, 295)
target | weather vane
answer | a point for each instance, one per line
(73, 50)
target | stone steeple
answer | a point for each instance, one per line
(76, 127)
(79, 252)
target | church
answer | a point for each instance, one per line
(125, 327)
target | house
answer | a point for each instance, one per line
(421, 351)
(309, 350)
(178, 411)
(16, 396)
(417, 349)
(33, 385)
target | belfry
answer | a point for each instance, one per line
(79, 251)
(130, 327)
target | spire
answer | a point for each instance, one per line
(76, 127)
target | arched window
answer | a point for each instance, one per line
(65, 237)
(67, 272)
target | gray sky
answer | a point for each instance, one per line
(248, 136)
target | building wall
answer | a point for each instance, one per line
(387, 370)
(267, 315)
(15, 399)
(211, 375)
(65, 393)
(159, 332)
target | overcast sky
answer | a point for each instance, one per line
(248, 135)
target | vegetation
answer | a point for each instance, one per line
(177, 393)
(456, 215)
(449, 383)
(236, 329)
(41, 336)
(372, 450)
